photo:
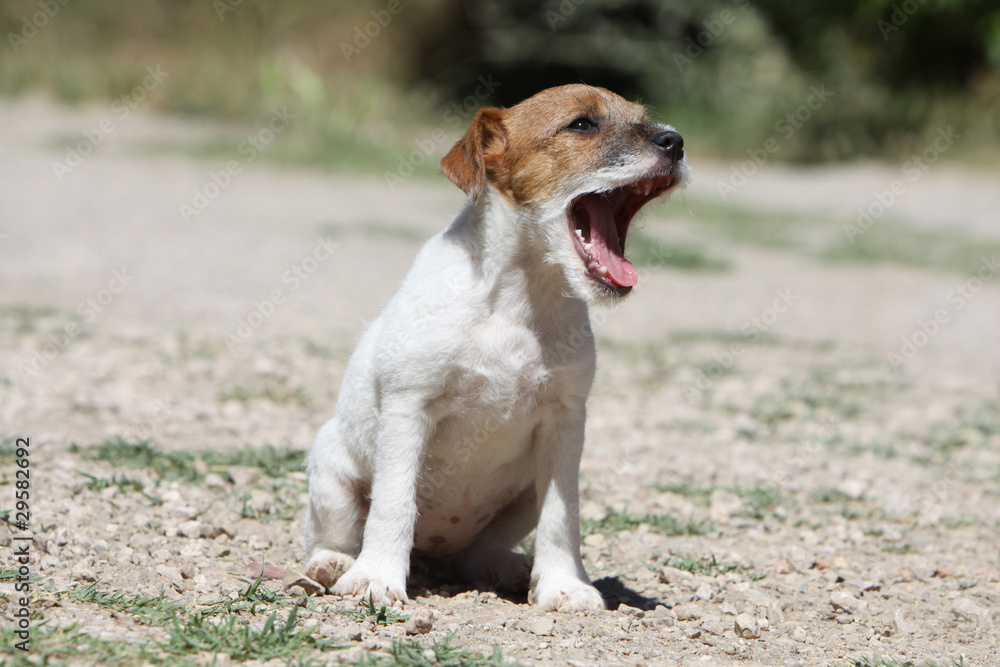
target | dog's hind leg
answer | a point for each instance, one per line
(490, 560)
(335, 521)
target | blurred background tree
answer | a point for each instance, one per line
(369, 77)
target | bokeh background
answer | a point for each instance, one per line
(367, 78)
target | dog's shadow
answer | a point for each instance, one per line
(434, 577)
(615, 593)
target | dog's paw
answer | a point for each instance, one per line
(381, 590)
(502, 569)
(327, 567)
(570, 593)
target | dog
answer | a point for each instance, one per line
(460, 423)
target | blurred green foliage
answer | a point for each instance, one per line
(827, 80)
(738, 72)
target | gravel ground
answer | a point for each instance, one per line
(761, 484)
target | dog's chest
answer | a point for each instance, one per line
(505, 380)
(506, 370)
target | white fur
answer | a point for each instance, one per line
(466, 398)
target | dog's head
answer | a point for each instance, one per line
(581, 161)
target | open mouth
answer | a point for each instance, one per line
(599, 222)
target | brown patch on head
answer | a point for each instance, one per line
(437, 540)
(529, 150)
(454, 519)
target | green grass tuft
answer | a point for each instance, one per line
(380, 615)
(759, 501)
(69, 645)
(827, 495)
(143, 455)
(709, 566)
(186, 466)
(252, 600)
(125, 484)
(686, 488)
(152, 609)
(283, 505)
(614, 522)
(234, 637)
(411, 653)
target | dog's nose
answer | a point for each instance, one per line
(672, 144)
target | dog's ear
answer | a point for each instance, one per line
(473, 157)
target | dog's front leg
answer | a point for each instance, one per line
(558, 578)
(382, 566)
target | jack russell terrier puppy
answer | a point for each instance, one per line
(459, 426)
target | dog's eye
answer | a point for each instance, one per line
(582, 124)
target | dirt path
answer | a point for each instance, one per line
(751, 447)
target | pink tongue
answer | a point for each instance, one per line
(604, 242)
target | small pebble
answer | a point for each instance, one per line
(704, 593)
(192, 550)
(191, 529)
(259, 544)
(844, 601)
(715, 625)
(631, 611)
(967, 610)
(420, 622)
(661, 612)
(541, 626)
(747, 627)
(673, 575)
(571, 628)
(687, 612)
(82, 571)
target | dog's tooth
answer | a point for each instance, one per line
(579, 234)
(603, 270)
(588, 246)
